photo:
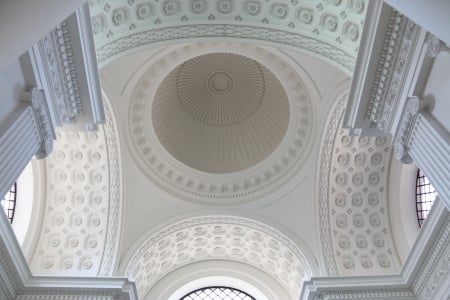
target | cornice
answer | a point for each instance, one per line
(65, 67)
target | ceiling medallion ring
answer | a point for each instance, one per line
(230, 188)
(220, 83)
(229, 87)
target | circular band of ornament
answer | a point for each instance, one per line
(218, 238)
(223, 188)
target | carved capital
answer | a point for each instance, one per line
(433, 46)
(36, 98)
(412, 107)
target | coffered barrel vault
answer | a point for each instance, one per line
(327, 29)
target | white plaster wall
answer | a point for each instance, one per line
(402, 207)
(431, 15)
(437, 89)
(14, 80)
(26, 22)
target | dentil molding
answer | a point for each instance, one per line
(65, 67)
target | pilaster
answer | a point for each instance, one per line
(29, 134)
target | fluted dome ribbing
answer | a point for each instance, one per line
(220, 112)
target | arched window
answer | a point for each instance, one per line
(217, 293)
(425, 196)
(9, 202)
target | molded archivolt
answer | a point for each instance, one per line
(354, 223)
(328, 29)
(150, 139)
(217, 238)
(82, 213)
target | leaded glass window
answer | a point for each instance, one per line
(9, 202)
(425, 196)
(217, 293)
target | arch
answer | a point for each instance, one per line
(353, 207)
(217, 237)
(328, 30)
(78, 232)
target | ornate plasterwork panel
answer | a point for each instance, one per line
(80, 228)
(211, 188)
(436, 267)
(218, 237)
(329, 29)
(354, 225)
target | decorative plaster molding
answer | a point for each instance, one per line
(328, 29)
(383, 76)
(425, 274)
(324, 171)
(8, 283)
(36, 98)
(406, 125)
(65, 68)
(83, 211)
(61, 67)
(213, 238)
(368, 293)
(73, 232)
(18, 283)
(352, 195)
(216, 188)
(436, 266)
(115, 194)
(434, 46)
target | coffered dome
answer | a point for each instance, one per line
(220, 112)
(219, 123)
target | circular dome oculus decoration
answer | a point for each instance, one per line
(220, 112)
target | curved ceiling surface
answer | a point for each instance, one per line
(220, 112)
(219, 123)
(330, 30)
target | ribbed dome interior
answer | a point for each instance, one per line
(220, 112)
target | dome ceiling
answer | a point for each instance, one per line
(219, 123)
(220, 112)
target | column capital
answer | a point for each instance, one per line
(413, 106)
(36, 98)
